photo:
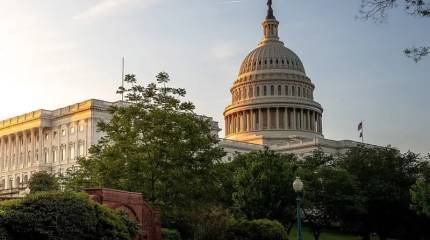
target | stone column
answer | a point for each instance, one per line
(17, 146)
(302, 119)
(33, 147)
(1, 153)
(260, 116)
(309, 119)
(242, 122)
(40, 148)
(269, 118)
(24, 155)
(294, 119)
(277, 119)
(252, 118)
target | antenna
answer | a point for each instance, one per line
(122, 79)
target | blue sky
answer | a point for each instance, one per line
(57, 52)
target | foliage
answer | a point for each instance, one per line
(420, 191)
(156, 145)
(326, 235)
(63, 215)
(261, 229)
(211, 223)
(170, 234)
(385, 177)
(331, 194)
(377, 10)
(262, 185)
(42, 182)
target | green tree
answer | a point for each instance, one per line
(43, 181)
(385, 177)
(331, 197)
(62, 215)
(420, 191)
(377, 10)
(155, 144)
(259, 229)
(262, 186)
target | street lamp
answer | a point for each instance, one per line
(298, 188)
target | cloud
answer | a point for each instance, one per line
(106, 7)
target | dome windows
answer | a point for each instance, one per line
(272, 90)
(264, 90)
(279, 90)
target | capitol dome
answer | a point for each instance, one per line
(272, 98)
(271, 55)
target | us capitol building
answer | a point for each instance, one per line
(272, 106)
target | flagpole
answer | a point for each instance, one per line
(122, 79)
(362, 132)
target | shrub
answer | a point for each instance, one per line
(43, 182)
(170, 234)
(261, 229)
(62, 215)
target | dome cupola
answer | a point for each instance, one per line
(272, 98)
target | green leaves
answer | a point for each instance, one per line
(155, 144)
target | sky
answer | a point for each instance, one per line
(54, 53)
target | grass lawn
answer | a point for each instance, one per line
(307, 235)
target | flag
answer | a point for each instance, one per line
(360, 126)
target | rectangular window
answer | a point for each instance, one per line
(72, 153)
(63, 154)
(72, 130)
(81, 150)
(54, 155)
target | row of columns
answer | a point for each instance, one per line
(20, 149)
(40, 146)
(273, 119)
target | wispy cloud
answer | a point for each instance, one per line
(106, 7)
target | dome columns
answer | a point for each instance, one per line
(273, 118)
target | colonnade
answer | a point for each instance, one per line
(37, 147)
(273, 118)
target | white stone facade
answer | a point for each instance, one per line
(272, 98)
(273, 105)
(48, 140)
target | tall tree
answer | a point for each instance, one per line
(155, 144)
(377, 10)
(420, 191)
(263, 186)
(385, 177)
(332, 196)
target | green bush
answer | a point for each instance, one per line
(261, 229)
(170, 234)
(43, 182)
(62, 215)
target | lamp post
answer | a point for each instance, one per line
(298, 188)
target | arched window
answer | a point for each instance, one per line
(251, 94)
(294, 91)
(264, 90)
(298, 91)
(244, 93)
(286, 90)
(238, 94)
(258, 91)
(303, 93)
(272, 90)
(279, 90)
